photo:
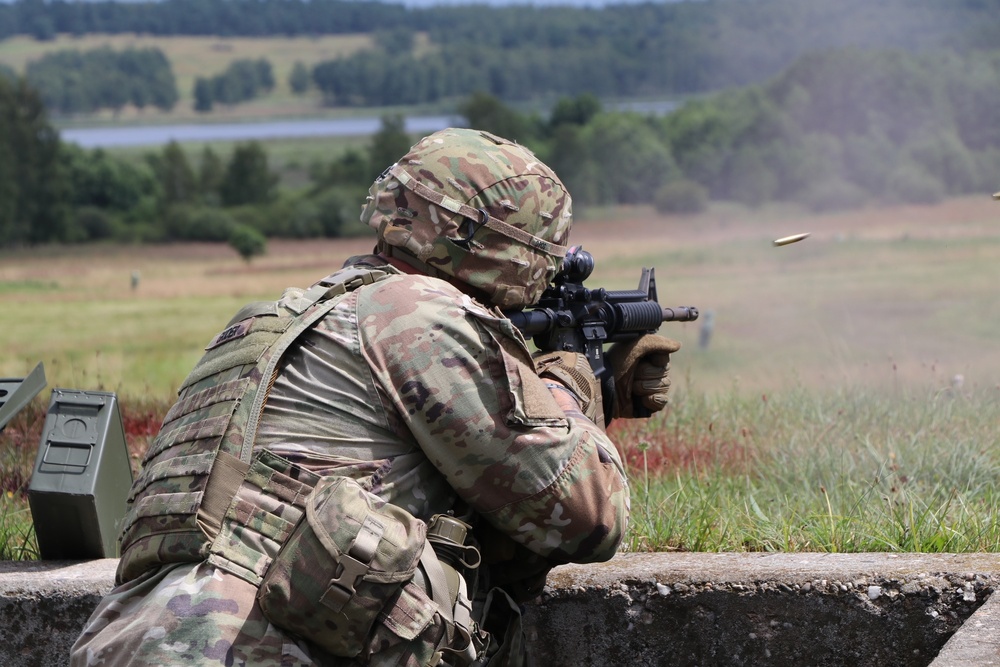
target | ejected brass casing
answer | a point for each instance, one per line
(795, 238)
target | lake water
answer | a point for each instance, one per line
(155, 135)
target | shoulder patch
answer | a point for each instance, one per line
(230, 333)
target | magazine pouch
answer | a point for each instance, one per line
(342, 567)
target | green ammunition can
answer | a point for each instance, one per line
(81, 478)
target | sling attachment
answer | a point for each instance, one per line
(354, 565)
(347, 280)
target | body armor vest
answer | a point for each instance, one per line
(200, 486)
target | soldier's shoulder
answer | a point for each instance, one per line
(406, 288)
(417, 297)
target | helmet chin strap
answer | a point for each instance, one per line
(398, 262)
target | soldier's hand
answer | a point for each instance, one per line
(572, 370)
(642, 374)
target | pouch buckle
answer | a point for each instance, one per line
(353, 565)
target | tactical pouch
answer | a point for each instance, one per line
(342, 566)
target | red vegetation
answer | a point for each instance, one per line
(141, 423)
(659, 450)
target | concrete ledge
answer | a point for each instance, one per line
(656, 609)
(766, 609)
(44, 605)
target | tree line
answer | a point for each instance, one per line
(840, 129)
(71, 81)
(74, 81)
(665, 48)
(242, 81)
(56, 192)
(44, 19)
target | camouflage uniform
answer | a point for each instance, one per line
(405, 383)
(413, 387)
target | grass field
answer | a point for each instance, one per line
(848, 399)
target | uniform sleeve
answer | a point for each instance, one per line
(461, 379)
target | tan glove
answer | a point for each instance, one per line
(641, 371)
(572, 370)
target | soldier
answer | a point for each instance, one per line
(375, 471)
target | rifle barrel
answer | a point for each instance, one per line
(680, 314)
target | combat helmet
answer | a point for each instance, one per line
(476, 208)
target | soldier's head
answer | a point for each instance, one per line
(476, 209)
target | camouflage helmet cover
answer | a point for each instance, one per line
(478, 208)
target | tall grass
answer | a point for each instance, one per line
(18, 445)
(848, 470)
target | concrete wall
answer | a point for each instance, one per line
(759, 609)
(656, 609)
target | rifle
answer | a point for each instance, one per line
(574, 318)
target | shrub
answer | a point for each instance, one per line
(833, 195)
(751, 181)
(339, 209)
(92, 223)
(946, 158)
(194, 223)
(910, 184)
(681, 196)
(247, 241)
(300, 78)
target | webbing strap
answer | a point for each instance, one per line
(437, 581)
(467, 211)
(223, 482)
(352, 281)
(465, 642)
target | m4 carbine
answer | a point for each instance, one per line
(573, 318)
